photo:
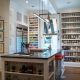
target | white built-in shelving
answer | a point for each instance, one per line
(33, 31)
(70, 36)
(21, 37)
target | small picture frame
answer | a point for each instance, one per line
(1, 24)
(1, 36)
(1, 47)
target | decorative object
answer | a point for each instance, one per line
(1, 47)
(13, 68)
(1, 36)
(1, 24)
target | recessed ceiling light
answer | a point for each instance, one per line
(32, 6)
(27, 1)
(68, 2)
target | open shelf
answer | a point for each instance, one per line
(17, 73)
(70, 36)
(21, 37)
(33, 30)
(27, 69)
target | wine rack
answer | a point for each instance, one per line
(33, 31)
(70, 36)
(28, 70)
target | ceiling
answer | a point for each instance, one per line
(51, 6)
(65, 4)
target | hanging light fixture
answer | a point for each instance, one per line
(41, 18)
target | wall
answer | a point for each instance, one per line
(69, 10)
(14, 8)
(4, 13)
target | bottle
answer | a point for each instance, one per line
(13, 68)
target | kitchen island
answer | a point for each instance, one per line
(34, 66)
